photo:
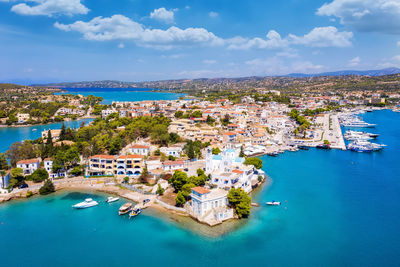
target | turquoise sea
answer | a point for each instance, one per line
(10, 135)
(340, 209)
(123, 94)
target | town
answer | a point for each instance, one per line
(197, 157)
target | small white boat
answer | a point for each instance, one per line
(86, 204)
(112, 199)
(34, 130)
(273, 203)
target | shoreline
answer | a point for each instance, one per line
(155, 209)
(43, 124)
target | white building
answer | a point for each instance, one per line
(106, 112)
(173, 165)
(172, 151)
(23, 117)
(4, 182)
(228, 171)
(48, 165)
(139, 150)
(210, 206)
(29, 165)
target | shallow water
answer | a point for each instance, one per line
(340, 208)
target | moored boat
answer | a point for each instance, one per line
(303, 147)
(273, 203)
(135, 212)
(324, 146)
(273, 154)
(112, 199)
(124, 209)
(86, 204)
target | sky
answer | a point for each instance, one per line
(144, 40)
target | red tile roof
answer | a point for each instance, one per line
(28, 161)
(201, 190)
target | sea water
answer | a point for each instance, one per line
(339, 208)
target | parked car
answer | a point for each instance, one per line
(23, 186)
(146, 201)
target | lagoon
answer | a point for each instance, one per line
(340, 208)
(10, 135)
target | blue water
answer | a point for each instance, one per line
(123, 94)
(11, 135)
(340, 209)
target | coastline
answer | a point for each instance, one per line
(155, 209)
(43, 124)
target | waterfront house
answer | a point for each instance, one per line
(28, 166)
(100, 165)
(23, 117)
(209, 206)
(48, 166)
(129, 165)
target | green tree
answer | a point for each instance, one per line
(160, 190)
(256, 162)
(216, 151)
(180, 199)
(240, 201)
(3, 162)
(47, 188)
(178, 180)
(200, 172)
(143, 176)
(178, 114)
(63, 133)
(190, 152)
(187, 189)
(241, 154)
(39, 175)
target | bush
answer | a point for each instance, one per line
(29, 193)
(39, 175)
(47, 188)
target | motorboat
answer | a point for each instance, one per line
(303, 147)
(273, 154)
(126, 208)
(323, 146)
(364, 146)
(112, 199)
(86, 204)
(135, 212)
(273, 203)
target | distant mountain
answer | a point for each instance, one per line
(387, 71)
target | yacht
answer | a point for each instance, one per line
(126, 208)
(112, 199)
(273, 203)
(354, 135)
(86, 204)
(364, 146)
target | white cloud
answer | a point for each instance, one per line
(398, 43)
(209, 61)
(121, 45)
(354, 62)
(119, 27)
(365, 15)
(318, 37)
(213, 14)
(162, 14)
(51, 8)
(273, 40)
(323, 37)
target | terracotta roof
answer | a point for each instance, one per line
(201, 190)
(178, 162)
(130, 157)
(230, 133)
(237, 171)
(27, 161)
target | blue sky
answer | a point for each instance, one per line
(138, 40)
